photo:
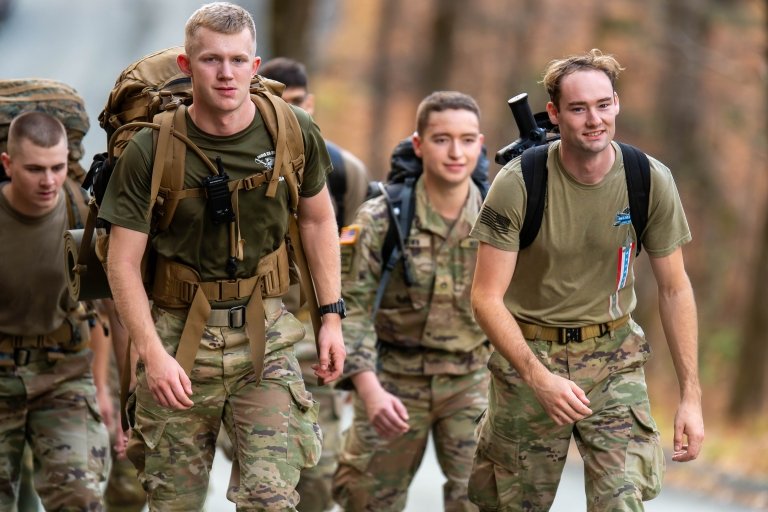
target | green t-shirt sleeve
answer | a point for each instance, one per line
(126, 201)
(501, 215)
(667, 227)
(317, 163)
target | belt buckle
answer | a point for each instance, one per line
(21, 356)
(236, 317)
(570, 334)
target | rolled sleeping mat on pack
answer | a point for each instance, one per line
(86, 281)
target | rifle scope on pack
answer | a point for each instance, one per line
(533, 129)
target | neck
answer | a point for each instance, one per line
(222, 124)
(587, 168)
(447, 200)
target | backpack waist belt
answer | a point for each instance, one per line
(565, 335)
(178, 286)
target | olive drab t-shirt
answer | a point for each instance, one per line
(192, 238)
(578, 271)
(34, 298)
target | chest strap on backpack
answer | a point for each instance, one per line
(179, 286)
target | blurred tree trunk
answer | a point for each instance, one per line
(748, 392)
(681, 113)
(291, 23)
(380, 90)
(440, 49)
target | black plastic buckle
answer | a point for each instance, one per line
(21, 356)
(236, 317)
(570, 334)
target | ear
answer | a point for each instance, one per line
(256, 65)
(6, 159)
(416, 141)
(552, 112)
(183, 62)
(616, 101)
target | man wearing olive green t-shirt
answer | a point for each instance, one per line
(235, 268)
(569, 359)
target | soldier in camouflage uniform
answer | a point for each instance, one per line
(237, 270)
(47, 391)
(347, 191)
(569, 359)
(419, 366)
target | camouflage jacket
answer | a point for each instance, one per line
(427, 328)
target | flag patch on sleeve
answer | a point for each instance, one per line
(349, 234)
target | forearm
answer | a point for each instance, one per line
(505, 335)
(366, 382)
(677, 309)
(320, 240)
(132, 304)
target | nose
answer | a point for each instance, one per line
(48, 177)
(225, 70)
(592, 117)
(455, 150)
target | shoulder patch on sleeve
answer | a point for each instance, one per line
(349, 234)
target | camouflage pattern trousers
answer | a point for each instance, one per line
(271, 422)
(521, 451)
(314, 485)
(374, 473)
(51, 404)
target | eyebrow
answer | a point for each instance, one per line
(601, 100)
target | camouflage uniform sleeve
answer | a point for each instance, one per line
(361, 244)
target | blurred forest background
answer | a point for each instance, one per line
(693, 95)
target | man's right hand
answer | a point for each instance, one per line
(385, 411)
(167, 381)
(562, 399)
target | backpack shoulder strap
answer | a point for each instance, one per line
(401, 207)
(337, 181)
(637, 170)
(534, 167)
(283, 127)
(77, 208)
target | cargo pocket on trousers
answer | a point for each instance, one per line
(494, 480)
(146, 432)
(645, 463)
(305, 440)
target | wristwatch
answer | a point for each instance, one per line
(337, 307)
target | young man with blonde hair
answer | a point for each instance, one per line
(245, 374)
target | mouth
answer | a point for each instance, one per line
(595, 134)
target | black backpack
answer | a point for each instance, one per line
(405, 169)
(337, 181)
(534, 166)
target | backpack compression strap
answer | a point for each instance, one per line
(637, 173)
